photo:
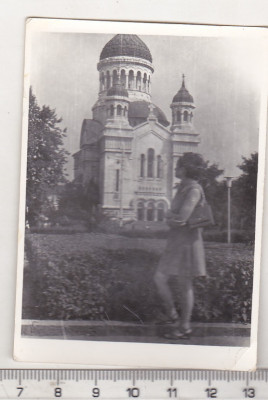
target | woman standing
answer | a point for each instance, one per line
(184, 254)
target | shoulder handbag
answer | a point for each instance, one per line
(202, 215)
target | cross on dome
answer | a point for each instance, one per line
(151, 115)
(151, 108)
(183, 81)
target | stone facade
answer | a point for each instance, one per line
(127, 148)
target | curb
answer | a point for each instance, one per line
(116, 328)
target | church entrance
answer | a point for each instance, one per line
(151, 210)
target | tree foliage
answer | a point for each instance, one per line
(76, 199)
(244, 192)
(46, 156)
(209, 181)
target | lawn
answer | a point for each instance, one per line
(104, 276)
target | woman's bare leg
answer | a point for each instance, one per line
(164, 291)
(187, 301)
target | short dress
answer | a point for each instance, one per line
(184, 254)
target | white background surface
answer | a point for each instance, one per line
(13, 14)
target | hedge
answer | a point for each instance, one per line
(209, 235)
(103, 284)
(220, 236)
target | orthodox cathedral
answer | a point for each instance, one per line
(129, 149)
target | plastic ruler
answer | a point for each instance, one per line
(132, 384)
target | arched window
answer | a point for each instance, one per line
(102, 81)
(117, 181)
(150, 169)
(191, 117)
(123, 78)
(119, 110)
(160, 212)
(138, 81)
(150, 211)
(108, 80)
(149, 83)
(142, 170)
(144, 82)
(178, 116)
(131, 80)
(159, 167)
(112, 110)
(140, 211)
(185, 116)
(114, 77)
(125, 111)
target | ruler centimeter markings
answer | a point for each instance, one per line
(118, 384)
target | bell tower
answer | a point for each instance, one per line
(117, 103)
(182, 107)
(184, 136)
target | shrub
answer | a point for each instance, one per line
(225, 294)
(209, 235)
(237, 236)
(60, 230)
(160, 234)
(118, 285)
(108, 226)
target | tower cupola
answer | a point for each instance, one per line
(183, 96)
(182, 107)
(117, 104)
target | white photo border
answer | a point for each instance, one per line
(139, 355)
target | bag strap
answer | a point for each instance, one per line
(203, 199)
(203, 196)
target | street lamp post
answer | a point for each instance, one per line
(229, 185)
(121, 183)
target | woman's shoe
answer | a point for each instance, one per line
(179, 334)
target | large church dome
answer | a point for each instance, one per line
(126, 45)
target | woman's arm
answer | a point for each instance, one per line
(190, 202)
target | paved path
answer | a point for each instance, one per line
(203, 333)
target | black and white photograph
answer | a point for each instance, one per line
(141, 194)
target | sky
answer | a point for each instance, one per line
(224, 76)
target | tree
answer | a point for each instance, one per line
(244, 191)
(92, 196)
(215, 192)
(46, 156)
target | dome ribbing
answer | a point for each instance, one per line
(126, 45)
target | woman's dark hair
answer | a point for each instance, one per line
(193, 165)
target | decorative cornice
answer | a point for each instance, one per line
(182, 104)
(124, 60)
